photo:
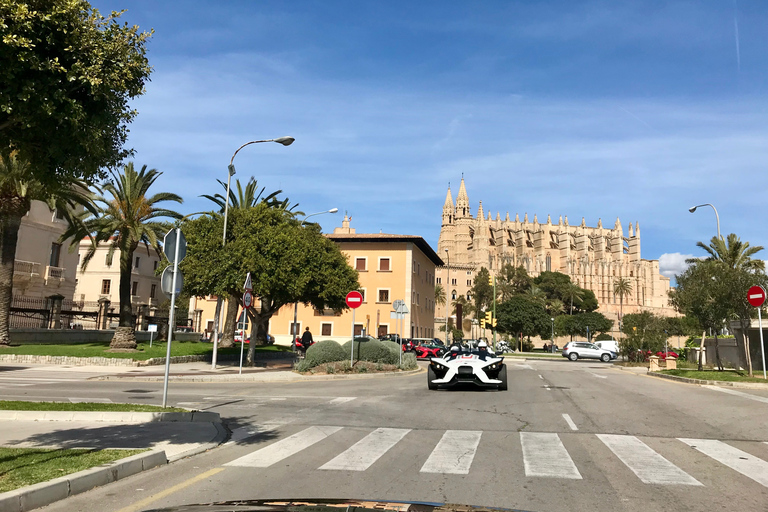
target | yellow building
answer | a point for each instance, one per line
(390, 267)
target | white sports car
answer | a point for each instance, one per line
(482, 369)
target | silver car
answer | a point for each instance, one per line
(574, 350)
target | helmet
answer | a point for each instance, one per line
(482, 344)
(454, 348)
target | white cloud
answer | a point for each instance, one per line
(673, 264)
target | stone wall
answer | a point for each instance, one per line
(75, 336)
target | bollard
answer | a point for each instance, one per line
(671, 363)
(654, 364)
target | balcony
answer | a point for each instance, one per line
(25, 270)
(54, 275)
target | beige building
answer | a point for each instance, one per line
(43, 266)
(593, 257)
(101, 278)
(390, 267)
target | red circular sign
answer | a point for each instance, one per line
(247, 300)
(354, 299)
(756, 296)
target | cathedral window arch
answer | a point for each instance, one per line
(453, 295)
(549, 263)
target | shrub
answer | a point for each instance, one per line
(302, 366)
(409, 361)
(362, 369)
(330, 369)
(394, 347)
(373, 351)
(327, 351)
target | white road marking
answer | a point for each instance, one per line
(368, 450)
(342, 399)
(85, 400)
(284, 448)
(548, 388)
(649, 466)
(38, 379)
(278, 398)
(454, 453)
(544, 455)
(570, 422)
(598, 376)
(746, 464)
(739, 393)
(526, 366)
(541, 377)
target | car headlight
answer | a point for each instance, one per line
(439, 366)
(493, 366)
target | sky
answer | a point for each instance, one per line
(636, 110)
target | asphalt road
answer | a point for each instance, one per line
(566, 436)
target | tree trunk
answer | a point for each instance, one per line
(228, 334)
(717, 354)
(125, 335)
(701, 348)
(259, 325)
(745, 325)
(9, 235)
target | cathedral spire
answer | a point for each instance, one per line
(448, 205)
(637, 229)
(480, 215)
(631, 231)
(462, 201)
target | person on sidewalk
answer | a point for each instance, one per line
(306, 339)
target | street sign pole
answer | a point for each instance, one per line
(760, 326)
(756, 298)
(171, 318)
(242, 342)
(352, 343)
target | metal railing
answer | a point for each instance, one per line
(54, 273)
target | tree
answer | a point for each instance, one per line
(733, 253)
(572, 292)
(622, 287)
(288, 263)
(644, 332)
(512, 281)
(439, 295)
(242, 198)
(68, 77)
(18, 188)
(124, 219)
(481, 291)
(521, 316)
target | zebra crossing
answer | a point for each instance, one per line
(544, 455)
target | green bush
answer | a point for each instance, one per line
(409, 361)
(394, 347)
(373, 351)
(302, 366)
(327, 351)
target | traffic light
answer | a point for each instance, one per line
(489, 320)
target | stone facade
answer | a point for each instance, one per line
(593, 257)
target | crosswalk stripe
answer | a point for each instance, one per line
(649, 466)
(342, 399)
(746, 464)
(368, 450)
(544, 455)
(454, 453)
(284, 448)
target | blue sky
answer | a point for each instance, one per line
(586, 109)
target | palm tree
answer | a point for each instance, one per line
(125, 219)
(244, 198)
(439, 295)
(536, 294)
(573, 291)
(18, 188)
(732, 252)
(622, 287)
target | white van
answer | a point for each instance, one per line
(611, 345)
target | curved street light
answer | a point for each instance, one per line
(693, 209)
(332, 210)
(447, 281)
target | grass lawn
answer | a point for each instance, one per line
(12, 405)
(158, 349)
(726, 375)
(20, 467)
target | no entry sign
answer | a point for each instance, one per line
(354, 299)
(756, 296)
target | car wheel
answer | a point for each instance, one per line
(573, 356)
(503, 378)
(430, 377)
(605, 358)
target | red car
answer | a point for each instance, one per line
(427, 348)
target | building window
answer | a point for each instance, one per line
(469, 297)
(152, 291)
(384, 295)
(453, 297)
(136, 263)
(135, 288)
(549, 263)
(326, 329)
(453, 282)
(418, 300)
(361, 264)
(362, 292)
(296, 329)
(108, 259)
(55, 254)
(155, 266)
(384, 265)
(418, 269)
(469, 282)
(105, 286)
(439, 281)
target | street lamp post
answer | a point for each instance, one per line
(285, 141)
(447, 296)
(693, 209)
(294, 327)
(552, 345)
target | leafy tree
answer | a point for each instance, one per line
(520, 315)
(512, 281)
(643, 332)
(593, 321)
(553, 283)
(623, 288)
(18, 188)
(68, 77)
(573, 292)
(536, 295)
(288, 263)
(124, 219)
(587, 303)
(481, 292)
(732, 252)
(467, 308)
(558, 286)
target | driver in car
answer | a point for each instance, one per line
(454, 353)
(482, 351)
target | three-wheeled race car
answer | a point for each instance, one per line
(480, 367)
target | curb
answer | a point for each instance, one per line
(128, 362)
(293, 377)
(354, 376)
(45, 493)
(700, 382)
(222, 434)
(110, 417)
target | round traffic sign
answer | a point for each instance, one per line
(756, 296)
(354, 299)
(247, 299)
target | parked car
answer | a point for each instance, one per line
(574, 350)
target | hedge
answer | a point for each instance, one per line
(327, 351)
(373, 351)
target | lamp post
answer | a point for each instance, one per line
(447, 296)
(693, 209)
(285, 141)
(552, 345)
(294, 327)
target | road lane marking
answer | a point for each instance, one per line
(454, 453)
(570, 422)
(541, 377)
(368, 450)
(739, 393)
(87, 400)
(598, 376)
(544, 455)
(746, 464)
(140, 505)
(525, 366)
(649, 466)
(284, 448)
(342, 399)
